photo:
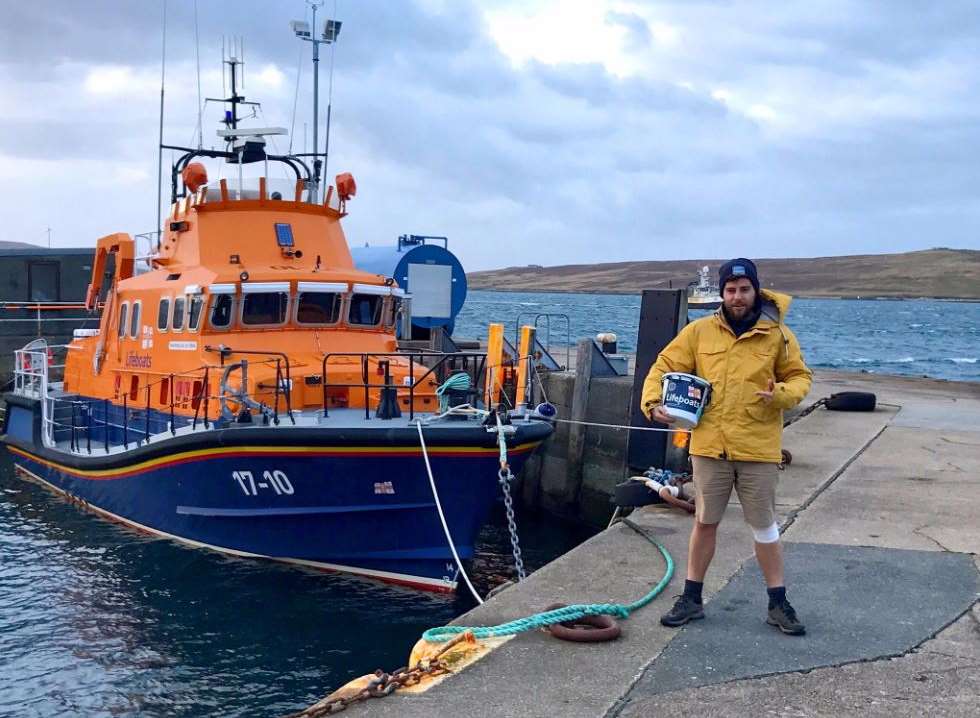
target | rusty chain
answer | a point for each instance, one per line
(383, 684)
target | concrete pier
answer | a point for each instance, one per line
(879, 517)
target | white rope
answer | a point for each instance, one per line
(621, 426)
(442, 516)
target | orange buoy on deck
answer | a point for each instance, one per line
(194, 176)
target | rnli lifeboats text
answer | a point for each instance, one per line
(138, 361)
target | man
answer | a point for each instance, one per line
(756, 370)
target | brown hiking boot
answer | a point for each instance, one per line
(783, 617)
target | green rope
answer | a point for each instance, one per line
(565, 614)
(457, 382)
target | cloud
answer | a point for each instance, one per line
(543, 132)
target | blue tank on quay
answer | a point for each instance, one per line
(428, 271)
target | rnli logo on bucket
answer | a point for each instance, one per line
(671, 386)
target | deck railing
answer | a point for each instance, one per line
(92, 420)
(473, 363)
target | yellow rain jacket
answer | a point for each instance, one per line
(737, 424)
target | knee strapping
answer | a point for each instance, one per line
(766, 535)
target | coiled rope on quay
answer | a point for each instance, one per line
(566, 614)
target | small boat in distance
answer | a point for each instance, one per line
(703, 294)
(245, 392)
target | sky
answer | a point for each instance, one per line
(534, 132)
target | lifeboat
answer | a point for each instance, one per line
(245, 392)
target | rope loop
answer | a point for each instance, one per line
(566, 614)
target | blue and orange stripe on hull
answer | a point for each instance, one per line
(333, 521)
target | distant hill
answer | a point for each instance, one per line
(17, 245)
(943, 273)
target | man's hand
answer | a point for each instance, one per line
(767, 395)
(660, 414)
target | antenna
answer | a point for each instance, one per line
(163, 70)
(224, 90)
(292, 123)
(330, 30)
(200, 109)
(231, 56)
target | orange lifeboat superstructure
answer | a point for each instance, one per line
(241, 275)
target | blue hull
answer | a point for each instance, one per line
(345, 506)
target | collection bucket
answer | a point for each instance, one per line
(685, 398)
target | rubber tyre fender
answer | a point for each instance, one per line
(600, 628)
(852, 401)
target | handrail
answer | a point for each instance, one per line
(547, 341)
(365, 358)
(31, 378)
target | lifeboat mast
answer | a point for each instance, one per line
(244, 146)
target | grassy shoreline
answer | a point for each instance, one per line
(945, 274)
(890, 298)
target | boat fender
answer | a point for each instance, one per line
(346, 186)
(194, 176)
(851, 401)
(588, 629)
(546, 410)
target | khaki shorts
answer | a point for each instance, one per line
(754, 481)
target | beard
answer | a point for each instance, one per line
(738, 309)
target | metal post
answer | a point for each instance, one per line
(173, 431)
(163, 69)
(411, 386)
(366, 378)
(125, 421)
(315, 190)
(275, 405)
(105, 423)
(323, 383)
(147, 430)
(88, 427)
(207, 391)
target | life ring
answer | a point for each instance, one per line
(588, 629)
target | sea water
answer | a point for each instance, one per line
(918, 337)
(99, 620)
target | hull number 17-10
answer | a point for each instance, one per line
(275, 480)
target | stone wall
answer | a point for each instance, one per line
(581, 492)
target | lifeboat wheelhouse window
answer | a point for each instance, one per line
(163, 314)
(178, 322)
(134, 324)
(365, 310)
(123, 316)
(318, 308)
(264, 308)
(222, 308)
(194, 312)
